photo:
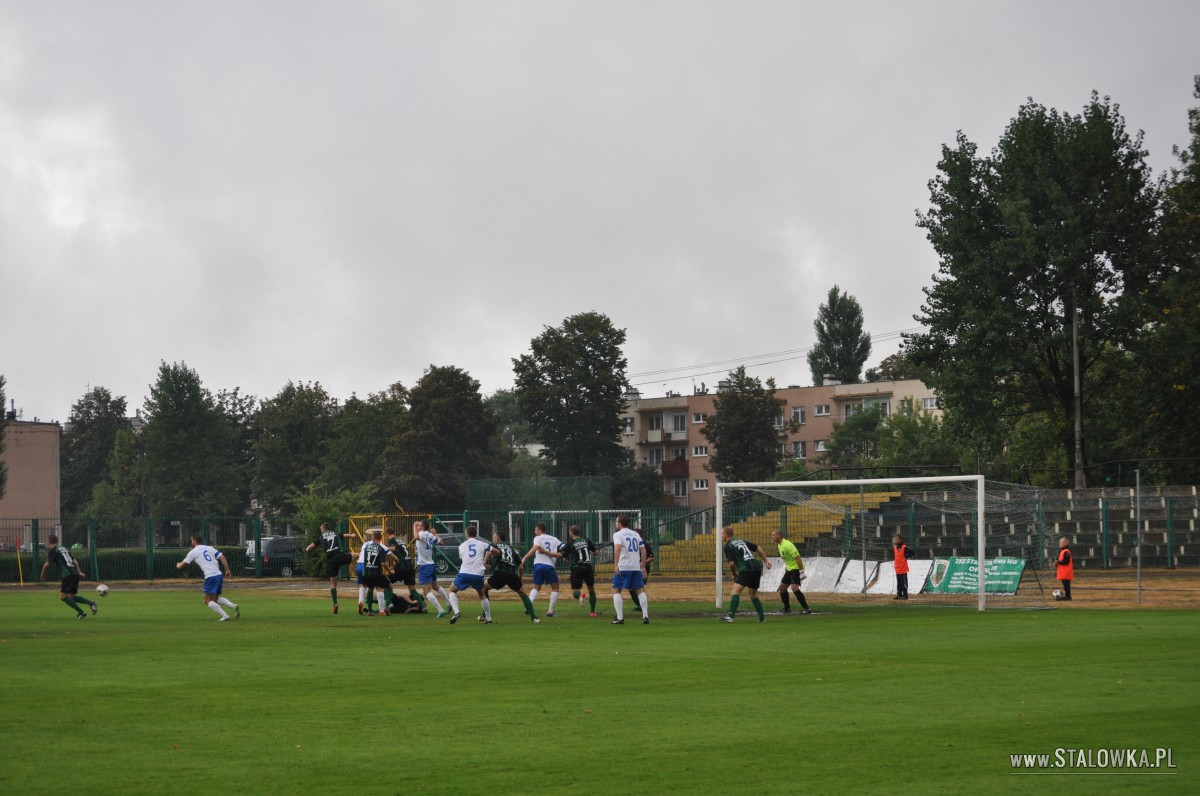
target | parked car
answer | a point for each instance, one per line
(282, 556)
(445, 555)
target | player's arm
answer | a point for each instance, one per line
(642, 555)
(45, 567)
(763, 556)
(186, 560)
(533, 549)
(225, 564)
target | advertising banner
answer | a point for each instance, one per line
(959, 575)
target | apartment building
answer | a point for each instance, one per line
(664, 433)
(31, 453)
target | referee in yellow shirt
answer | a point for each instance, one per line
(792, 575)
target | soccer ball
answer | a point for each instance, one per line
(1056, 594)
(102, 590)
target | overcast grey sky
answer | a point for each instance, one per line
(350, 192)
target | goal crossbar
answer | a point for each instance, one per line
(980, 510)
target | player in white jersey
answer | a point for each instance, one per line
(544, 550)
(471, 555)
(425, 540)
(629, 551)
(210, 561)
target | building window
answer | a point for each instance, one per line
(851, 410)
(929, 403)
(800, 450)
(821, 410)
(819, 446)
(679, 454)
(699, 417)
(700, 450)
(700, 485)
(779, 421)
(654, 422)
(656, 456)
(798, 415)
(679, 422)
(885, 407)
(680, 488)
(628, 425)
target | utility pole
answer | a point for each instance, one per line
(1080, 476)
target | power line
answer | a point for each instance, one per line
(721, 365)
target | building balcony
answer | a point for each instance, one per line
(660, 437)
(676, 468)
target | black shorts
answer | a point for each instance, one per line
(500, 580)
(790, 576)
(749, 579)
(334, 563)
(405, 576)
(583, 574)
(69, 585)
(379, 581)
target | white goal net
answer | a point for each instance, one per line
(845, 531)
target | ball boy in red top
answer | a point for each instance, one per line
(1066, 567)
(900, 554)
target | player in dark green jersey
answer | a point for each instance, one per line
(403, 573)
(68, 590)
(506, 571)
(746, 560)
(580, 552)
(336, 557)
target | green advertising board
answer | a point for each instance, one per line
(958, 575)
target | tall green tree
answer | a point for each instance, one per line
(514, 426)
(293, 433)
(87, 447)
(189, 468)
(3, 422)
(842, 346)
(240, 411)
(746, 443)
(897, 367)
(1166, 352)
(362, 431)
(636, 485)
(1050, 238)
(119, 498)
(450, 437)
(571, 387)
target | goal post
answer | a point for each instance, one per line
(820, 513)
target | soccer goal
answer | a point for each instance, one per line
(845, 530)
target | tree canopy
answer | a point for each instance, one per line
(571, 387)
(1056, 227)
(747, 443)
(293, 433)
(842, 346)
(87, 447)
(3, 421)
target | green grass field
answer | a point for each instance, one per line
(155, 696)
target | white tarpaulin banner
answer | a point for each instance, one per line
(771, 578)
(823, 574)
(852, 580)
(885, 578)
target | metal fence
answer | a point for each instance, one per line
(1104, 532)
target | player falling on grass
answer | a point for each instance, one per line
(336, 557)
(545, 549)
(746, 559)
(506, 572)
(376, 560)
(629, 553)
(580, 551)
(425, 540)
(68, 590)
(793, 574)
(211, 562)
(403, 574)
(472, 555)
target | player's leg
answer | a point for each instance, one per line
(484, 603)
(553, 596)
(210, 602)
(644, 604)
(735, 599)
(801, 599)
(618, 585)
(757, 603)
(589, 577)
(1066, 584)
(452, 599)
(528, 603)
